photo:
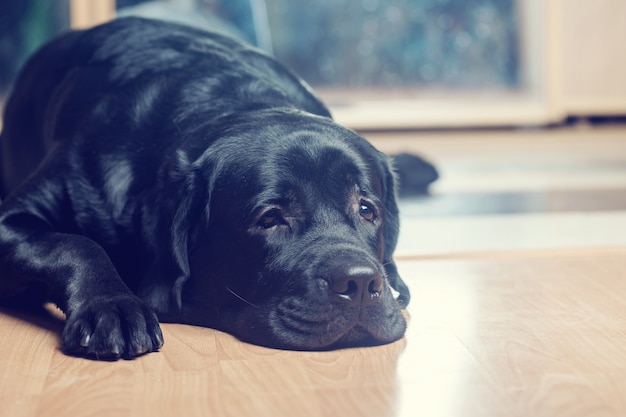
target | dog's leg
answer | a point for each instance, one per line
(105, 320)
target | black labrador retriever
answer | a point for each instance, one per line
(152, 171)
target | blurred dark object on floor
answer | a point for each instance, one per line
(414, 173)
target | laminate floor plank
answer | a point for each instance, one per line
(540, 333)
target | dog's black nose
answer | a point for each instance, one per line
(359, 284)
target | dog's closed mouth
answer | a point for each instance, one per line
(320, 325)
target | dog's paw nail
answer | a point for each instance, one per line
(159, 340)
(142, 350)
(84, 342)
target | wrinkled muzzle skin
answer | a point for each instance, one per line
(341, 299)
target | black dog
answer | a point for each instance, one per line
(153, 170)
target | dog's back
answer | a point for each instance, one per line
(38, 116)
(21, 141)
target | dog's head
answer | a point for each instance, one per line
(283, 233)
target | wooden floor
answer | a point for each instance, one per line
(496, 328)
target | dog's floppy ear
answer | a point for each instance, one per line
(392, 228)
(180, 205)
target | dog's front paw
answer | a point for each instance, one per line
(112, 328)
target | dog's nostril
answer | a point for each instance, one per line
(352, 289)
(358, 284)
(375, 286)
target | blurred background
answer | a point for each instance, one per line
(433, 63)
(520, 104)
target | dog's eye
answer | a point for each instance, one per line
(367, 211)
(271, 218)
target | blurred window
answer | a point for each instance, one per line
(381, 63)
(451, 44)
(390, 44)
(375, 62)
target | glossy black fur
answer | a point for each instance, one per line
(152, 170)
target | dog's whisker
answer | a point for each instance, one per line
(240, 297)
